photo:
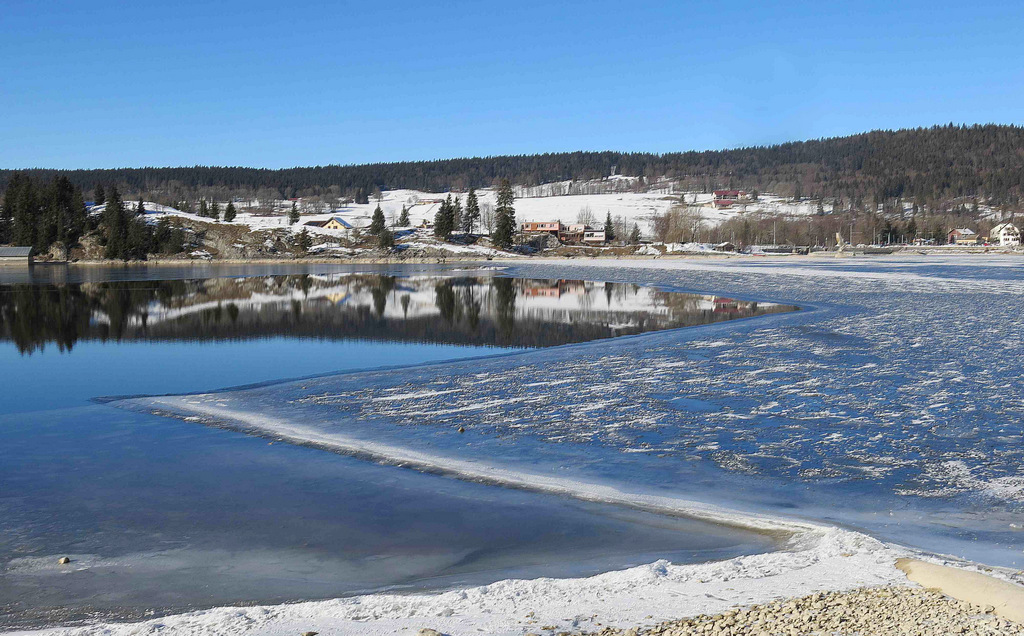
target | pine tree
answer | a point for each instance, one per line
(303, 241)
(377, 223)
(456, 214)
(472, 213)
(443, 224)
(99, 197)
(403, 218)
(505, 215)
(293, 216)
(204, 209)
(634, 236)
(386, 239)
(26, 209)
(115, 225)
(609, 228)
(214, 211)
(229, 212)
(7, 210)
(140, 208)
(138, 240)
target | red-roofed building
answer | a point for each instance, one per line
(726, 198)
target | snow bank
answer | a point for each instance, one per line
(834, 560)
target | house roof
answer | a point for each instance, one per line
(1005, 226)
(13, 252)
(340, 220)
(315, 223)
(963, 230)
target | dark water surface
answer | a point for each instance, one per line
(161, 515)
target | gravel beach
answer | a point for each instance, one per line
(881, 611)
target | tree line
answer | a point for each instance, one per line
(41, 214)
(931, 165)
(47, 214)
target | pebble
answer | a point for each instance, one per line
(881, 611)
(63, 561)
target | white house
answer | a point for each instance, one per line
(1005, 234)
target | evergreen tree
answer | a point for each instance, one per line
(609, 228)
(456, 214)
(67, 213)
(115, 225)
(167, 239)
(229, 212)
(443, 220)
(293, 216)
(99, 196)
(7, 210)
(204, 209)
(140, 208)
(26, 211)
(377, 223)
(138, 239)
(505, 216)
(472, 213)
(386, 239)
(634, 236)
(403, 218)
(214, 211)
(303, 241)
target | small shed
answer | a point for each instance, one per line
(15, 255)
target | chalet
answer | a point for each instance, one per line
(16, 255)
(542, 227)
(337, 223)
(728, 198)
(1006, 234)
(962, 236)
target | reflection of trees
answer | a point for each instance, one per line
(444, 298)
(472, 307)
(472, 311)
(380, 290)
(505, 306)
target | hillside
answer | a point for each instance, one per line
(934, 166)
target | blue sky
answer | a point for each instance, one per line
(275, 84)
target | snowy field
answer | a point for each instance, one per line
(885, 418)
(532, 204)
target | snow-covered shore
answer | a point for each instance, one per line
(832, 560)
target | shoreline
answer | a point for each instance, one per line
(820, 569)
(909, 253)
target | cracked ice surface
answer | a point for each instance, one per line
(893, 403)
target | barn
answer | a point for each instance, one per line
(15, 255)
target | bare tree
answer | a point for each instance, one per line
(586, 216)
(487, 216)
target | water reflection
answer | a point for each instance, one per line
(469, 310)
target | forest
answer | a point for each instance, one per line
(934, 166)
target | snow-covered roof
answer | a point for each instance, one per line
(964, 231)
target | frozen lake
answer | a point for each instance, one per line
(891, 405)
(160, 514)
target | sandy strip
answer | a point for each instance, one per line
(1005, 598)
